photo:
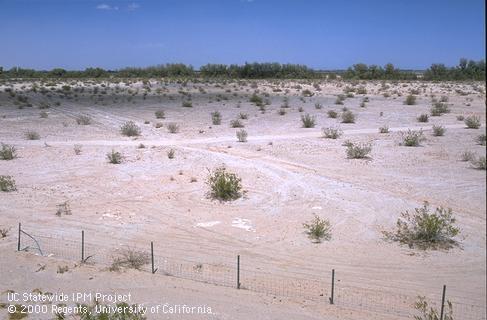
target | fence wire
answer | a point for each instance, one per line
(348, 296)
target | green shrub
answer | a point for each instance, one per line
(479, 163)
(358, 151)
(410, 100)
(348, 117)
(242, 135)
(236, 124)
(424, 229)
(243, 116)
(318, 229)
(7, 184)
(467, 156)
(130, 129)
(224, 185)
(472, 122)
(130, 258)
(216, 118)
(83, 120)
(258, 101)
(114, 157)
(431, 313)
(187, 104)
(32, 135)
(340, 98)
(439, 108)
(308, 121)
(8, 152)
(438, 130)
(172, 127)
(332, 133)
(332, 114)
(160, 114)
(412, 138)
(423, 117)
(384, 129)
(481, 139)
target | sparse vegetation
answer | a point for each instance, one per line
(412, 138)
(216, 118)
(410, 100)
(114, 157)
(83, 120)
(438, 130)
(348, 117)
(171, 153)
(7, 184)
(242, 135)
(318, 229)
(63, 209)
(224, 185)
(472, 122)
(160, 114)
(32, 135)
(423, 117)
(8, 152)
(172, 127)
(481, 140)
(131, 259)
(424, 229)
(467, 156)
(479, 163)
(332, 114)
(332, 133)
(384, 129)
(427, 312)
(130, 129)
(358, 150)
(308, 121)
(236, 123)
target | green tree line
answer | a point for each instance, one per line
(465, 70)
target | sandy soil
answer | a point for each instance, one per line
(289, 174)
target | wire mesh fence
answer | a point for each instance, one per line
(344, 294)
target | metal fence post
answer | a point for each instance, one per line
(152, 256)
(82, 246)
(442, 302)
(18, 242)
(238, 271)
(332, 286)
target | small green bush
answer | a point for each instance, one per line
(439, 108)
(424, 229)
(467, 156)
(332, 114)
(83, 120)
(479, 163)
(318, 229)
(412, 138)
(130, 129)
(224, 185)
(236, 123)
(472, 122)
(255, 99)
(410, 100)
(114, 157)
(438, 130)
(348, 117)
(431, 313)
(423, 117)
(332, 133)
(187, 104)
(308, 121)
(130, 258)
(216, 118)
(172, 127)
(160, 114)
(32, 135)
(242, 135)
(8, 152)
(7, 184)
(358, 151)
(243, 116)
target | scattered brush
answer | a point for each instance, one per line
(224, 185)
(172, 127)
(410, 100)
(332, 133)
(472, 122)
(77, 149)
(63, 209)
(7, 184)
(236, 123)
(348, 117)
(8, 152)
(423, 117)
(479, 163)
(428, 312)
(160, 114)
(318, 229)
(83, 120)
(358, 150)
(171, 153)
(481, 140)
(131, 259)
(114, 157)
(412, 138)
(242, 135)
(467, 156)
(216, 118)
(384, 129)
(332, 114)
(438, 130)
(32, 135)
(308, 121)
(130, 129)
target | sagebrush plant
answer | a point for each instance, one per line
(348, 117)
(332, 114)
(318, 229)
(130, 129)
(7, 184)
(187, 104)
(412, 138)
(114, 157)
(224, 185)
(236, 123)
(467, 156)
(242, 135)
(425, 229)
(438, 130)
(423, 117)
(472, 122)
(358, 150)
(427, 312)
(481, 140)
(216, 118)
(173, 127)
(439, 108)
(308, 121)
(8, 152)
(32, 135)
(83, 120)
(130, 258)
(160, 114)
(478, 163)
(332, 133)
(384, 129)
(410, 100)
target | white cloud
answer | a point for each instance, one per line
(104, 6)
(133, 6)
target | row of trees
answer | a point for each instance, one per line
(466, 70)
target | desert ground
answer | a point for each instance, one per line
(289, 174)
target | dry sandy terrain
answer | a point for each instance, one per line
(289, 173)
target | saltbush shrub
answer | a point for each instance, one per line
(224, 185)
